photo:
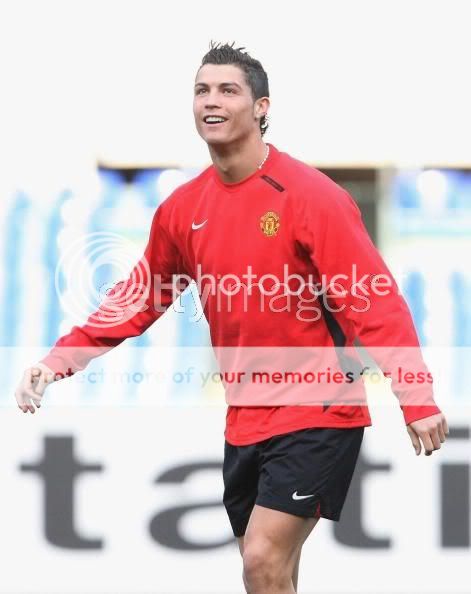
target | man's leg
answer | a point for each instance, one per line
(240, 542)
(271, 550)
(294, 577)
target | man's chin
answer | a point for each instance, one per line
(215, 141)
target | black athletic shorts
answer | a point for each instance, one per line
(306, 473)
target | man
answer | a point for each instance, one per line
(287, 461)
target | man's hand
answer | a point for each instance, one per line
(31, 388)
(431, 432)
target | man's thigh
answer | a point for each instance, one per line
(277, 535)
(299, 531)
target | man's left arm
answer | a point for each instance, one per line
(331, 230)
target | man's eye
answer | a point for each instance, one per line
(200, 91)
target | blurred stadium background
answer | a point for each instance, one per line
(96, 130)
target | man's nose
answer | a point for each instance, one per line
(212, 99)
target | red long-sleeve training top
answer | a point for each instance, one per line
(286, 216)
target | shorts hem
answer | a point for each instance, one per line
(239, 533)
(289, 509)
(239, 526)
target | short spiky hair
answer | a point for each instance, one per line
(255, 75)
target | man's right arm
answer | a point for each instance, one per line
(128, 310)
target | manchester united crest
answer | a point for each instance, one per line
(270, 223)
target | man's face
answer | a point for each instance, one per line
(221, 90)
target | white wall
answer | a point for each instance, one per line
(351, 82)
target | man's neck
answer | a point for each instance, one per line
(235, 163)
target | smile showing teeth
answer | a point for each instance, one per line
(214, 120)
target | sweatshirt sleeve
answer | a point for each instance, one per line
(129, 308)
(329, 227)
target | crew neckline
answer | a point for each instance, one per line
(232, 187)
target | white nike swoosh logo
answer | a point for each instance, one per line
(195, 226)
(296, 497)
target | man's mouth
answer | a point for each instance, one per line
(214, 120)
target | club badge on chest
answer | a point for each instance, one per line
(270, 223)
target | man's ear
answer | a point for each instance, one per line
(261, 107)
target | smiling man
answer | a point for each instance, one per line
(257, 213)
(230, 108)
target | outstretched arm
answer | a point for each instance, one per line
(127, 311)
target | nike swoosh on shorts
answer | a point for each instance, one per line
(296, 497)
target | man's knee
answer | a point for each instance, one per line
(264, 565)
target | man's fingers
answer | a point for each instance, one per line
(427, 443)
(431, 432)
(27, 380)
(42, 383)
(45, 378)
(441, 433)
(435, 437)
(415, 440)
(25, 405)
(26, 395)
(32, 386)
(445, 426)
(37, 401)
(20, 401)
